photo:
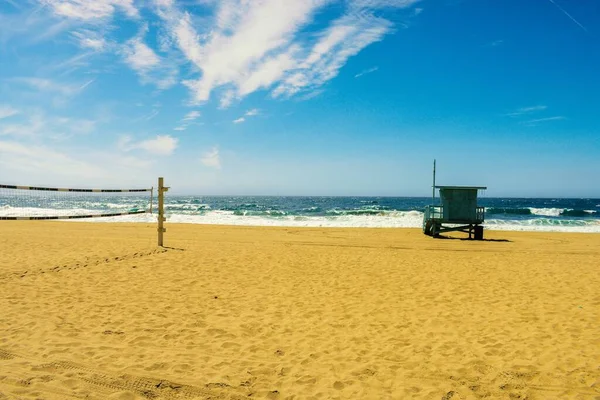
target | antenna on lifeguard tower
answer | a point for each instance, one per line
(433, 187)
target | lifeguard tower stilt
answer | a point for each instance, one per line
(458, 211)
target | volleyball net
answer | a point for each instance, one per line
(45, 203)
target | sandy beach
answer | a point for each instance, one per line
(98, 311)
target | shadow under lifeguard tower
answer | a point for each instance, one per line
(458, 211)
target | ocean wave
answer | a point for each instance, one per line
(547, 212)
(577, 213)
(187, 207)
(265, 213)
(311, 210)
(510, 211)
(371, 215)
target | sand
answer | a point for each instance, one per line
(97, 311)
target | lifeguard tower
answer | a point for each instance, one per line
(458, 211)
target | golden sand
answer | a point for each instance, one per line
(97, 311)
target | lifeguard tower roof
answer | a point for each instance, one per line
(461, 187)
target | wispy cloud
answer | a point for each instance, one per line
(538, 120)
(38, 125)
(7, 111)
(187, 120)
(88, 10)
(495, 43)
(149, 66)
(233, 48)
(161, 145)
(148, 116)
(211, 158)
(259, 45)
(250, 113)
(37, 158)
(139, 56)
(569, 15)
(66, 89)
(366, 71)
(89, 39)
(310, 95)
(31, 127)
(345, 37)
(37, 163)
(192, 115)
(12, 3)
(527, 110)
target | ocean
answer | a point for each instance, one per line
(517, 214)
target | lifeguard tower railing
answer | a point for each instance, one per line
(436, 213)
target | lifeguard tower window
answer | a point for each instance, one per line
(458, 207)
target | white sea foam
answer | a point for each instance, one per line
(547, 212)
(393, 219)
(397, 219)
(8, 211)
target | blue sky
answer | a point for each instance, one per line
(303, 97)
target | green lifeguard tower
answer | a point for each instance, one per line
(458, 211)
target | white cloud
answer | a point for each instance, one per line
(52, 86)
(187, 119)
(161, 145)
(38, 125)
(7, 111)
(252, 112)
(34, 163)
(538, 120)
(139, 56)
(254, 45)
(33, 127)
(147, 117)
(366, 71)
(150, 67)
(383, 3)
(211, 158)
(346, 37)
(311, 95)
(35, 159)
(226, 99)
(192, 115)
(527, 110)
(91, 9)
(495, 43)
(89, 39)
(239, 120)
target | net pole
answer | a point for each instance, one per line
(151, 197)
(161, 210)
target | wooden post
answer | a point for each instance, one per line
(161, 210)
(433, 187)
